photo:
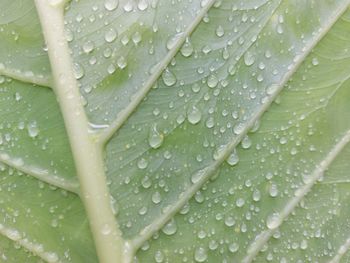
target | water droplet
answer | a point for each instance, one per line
(240, 202)
(246, 142)
(142, 5)
(256, 195)
(249, 58)
(273, 190)
(121, 62)
(33, 130)
(156, 197)
(212, 81)
(187, 48)
(194, 115)
(239, 128)
(230, 221)
(315, 61)
(233, 159)
(233, 247)
(88, 46)
(196, 177)
(146, 182)
(155, 139)
(170, 228)
(110, 5)
(173, 40)
(78, 71)
(110, 35)
(158, 256)
(273, 221)
(169, 78)
(142, 163)
(219, 31)
(200, 254)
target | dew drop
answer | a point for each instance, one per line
(273, 221)
(212, 81)
(169, 78)
(233, 247)
(233, 159)
(200, 254)
(142, 163)
(158, 256)
(156, 197)
(249, 58)
(170, 228)
(110, 35)
(173, 40)
(88, 46)
(194, 115)
(110, 5)
(219, 31)
(187, 48)
(33, 130)
(78, 71)
(155, 139)
(142, 5)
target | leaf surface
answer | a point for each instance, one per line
(224, 126)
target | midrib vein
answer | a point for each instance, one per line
(25, 243)
(207, 172)
(124, 114)
(87, 154)
(341, 252)
(29, 78)
(300, 193)
(40, 174)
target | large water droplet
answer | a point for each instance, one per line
(110, 5)
(200, 254)
(273, 221)
(169, 78)
(249, 58)
(155, 138)
(170, 228)
(187, 48)
(194, 115)
(110, 35)
(233, 159)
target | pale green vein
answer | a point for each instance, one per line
(36, 249)
(39, 173)
(207, 172)
(299, 194)
(341, 252)
(27, 77)
(141, 93)
(88, 157)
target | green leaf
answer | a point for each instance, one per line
(187, 131)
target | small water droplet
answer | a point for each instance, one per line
(219, 31)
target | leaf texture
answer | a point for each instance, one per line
(224, 129)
